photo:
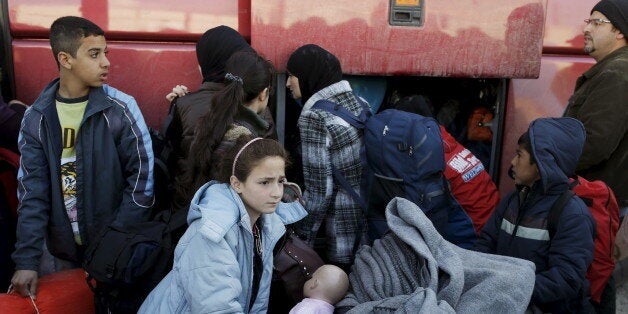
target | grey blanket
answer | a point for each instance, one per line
(414, 270)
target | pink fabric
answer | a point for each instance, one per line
(312, 306)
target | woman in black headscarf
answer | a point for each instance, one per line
(315, 74)
(213, 50)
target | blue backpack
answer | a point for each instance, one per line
(403, 157)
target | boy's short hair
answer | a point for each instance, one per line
(525, 143)
(66, 34)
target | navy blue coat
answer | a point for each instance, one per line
(519, 226)
(114, 168)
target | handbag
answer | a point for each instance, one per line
(294, 264)
(294, 261)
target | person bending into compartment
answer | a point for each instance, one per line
(224, 261)
(213, 50)
(547, 155)
(327, 141)
(469, 182)
(87, 159)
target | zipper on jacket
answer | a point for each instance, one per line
(523, 195)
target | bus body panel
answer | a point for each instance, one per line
(459, 38)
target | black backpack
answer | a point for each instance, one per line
(162, 151)
(128, 262)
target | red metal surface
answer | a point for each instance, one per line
(530, 99)
(146, 71)
(564, 24)
(467, 38)
(161, 20)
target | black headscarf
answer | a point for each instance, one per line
(315, 67)
(215, 47)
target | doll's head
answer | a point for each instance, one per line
(329, 283)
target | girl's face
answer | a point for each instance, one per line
(262, 190)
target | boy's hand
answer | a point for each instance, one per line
(177, 91)
(25, 282)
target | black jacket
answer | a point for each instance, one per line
(600, 103)
(187, 110)
(114, 171)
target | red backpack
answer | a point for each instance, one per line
(603, 206)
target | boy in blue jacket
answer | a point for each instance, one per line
(547, 155)
(87, 159)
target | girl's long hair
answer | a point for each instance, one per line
(247, 75)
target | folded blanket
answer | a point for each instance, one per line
(414, 270)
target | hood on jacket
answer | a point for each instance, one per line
(557, 144)
(220, 207)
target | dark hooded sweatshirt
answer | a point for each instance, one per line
(519, 228)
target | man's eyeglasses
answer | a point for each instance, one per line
(596, 22)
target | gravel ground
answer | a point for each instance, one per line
(622, 299)
(621, 278)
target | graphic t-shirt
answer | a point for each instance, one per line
(70, 113)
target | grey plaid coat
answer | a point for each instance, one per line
(327, 139)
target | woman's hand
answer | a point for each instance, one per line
(177, 91)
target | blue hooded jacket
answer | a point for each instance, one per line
(213, 263)
(519, 226)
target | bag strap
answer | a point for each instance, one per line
(347, 187)
(358, 122)
(557, 210)
(169, 117)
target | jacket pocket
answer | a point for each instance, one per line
(61, 243)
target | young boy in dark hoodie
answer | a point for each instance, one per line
(547, 155)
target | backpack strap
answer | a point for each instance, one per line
(358, 122)
(557, 210)
(169, 117)
(347, 187)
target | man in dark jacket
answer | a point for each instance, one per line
(87, 160)
(547, 154)
(600, 100)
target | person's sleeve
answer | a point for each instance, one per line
(570, 253)
(33, 193)
(487, 242)
(317, 173)
(604, 116)
(136, 155)
(211, 279)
